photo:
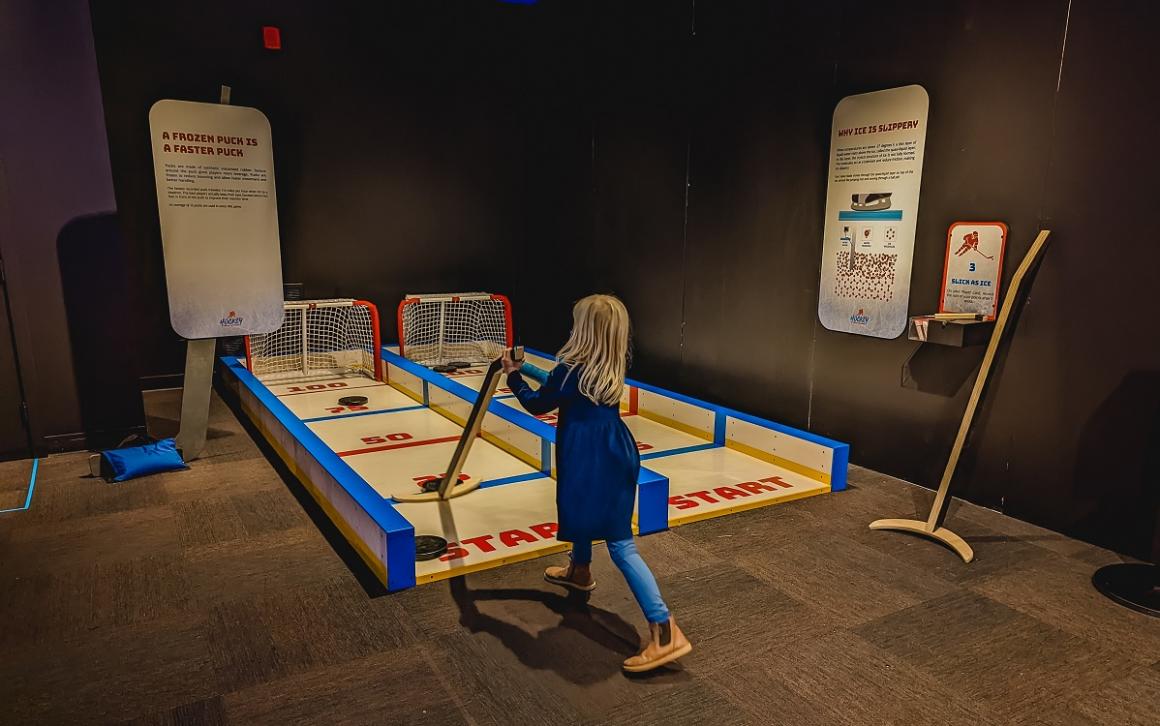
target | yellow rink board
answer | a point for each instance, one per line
(488, 528)
(718, 481)
(394, 443)
(653, 438)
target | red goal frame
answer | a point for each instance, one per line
(455, 297)
(376, 334)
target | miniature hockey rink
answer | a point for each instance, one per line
(698, 461)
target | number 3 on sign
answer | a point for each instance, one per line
(972, 267)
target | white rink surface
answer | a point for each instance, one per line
(395, 444)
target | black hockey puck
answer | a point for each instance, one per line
(444, 369)
(352, 401)
(428, 547)
(459, 364)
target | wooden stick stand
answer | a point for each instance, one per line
(450, 486)
(933, 526)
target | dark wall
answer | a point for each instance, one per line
(733, 102)
(990, 69)
(398, 137)
(54, 183)
(675, 153)
(1078, 406)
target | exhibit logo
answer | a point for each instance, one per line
(860, 317)
(231, 320)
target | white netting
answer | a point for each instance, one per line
(319, 339)
(459, 327)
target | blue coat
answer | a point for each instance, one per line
(597, 461)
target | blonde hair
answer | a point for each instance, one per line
(599, 343)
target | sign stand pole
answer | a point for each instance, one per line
(195, 397)
(933, 526)
(195, 393)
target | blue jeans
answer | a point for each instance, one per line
(640, 578)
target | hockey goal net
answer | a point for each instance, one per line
(468, 327)
(319, 339)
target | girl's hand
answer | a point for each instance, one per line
(509, 366)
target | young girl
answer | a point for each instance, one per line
(597, 465)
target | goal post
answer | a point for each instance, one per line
(469, 327)
(319, 339)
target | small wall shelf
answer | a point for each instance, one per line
(955, 333)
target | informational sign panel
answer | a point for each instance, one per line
(974, 265)
(876, 151)
(214, 170)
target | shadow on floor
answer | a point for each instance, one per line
(586, 646)
(1014, 538)
(92, 263)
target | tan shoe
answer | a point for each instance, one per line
(666, 644)
(562, 576)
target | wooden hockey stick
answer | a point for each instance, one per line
(450, 486)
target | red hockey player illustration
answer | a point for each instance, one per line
(971, 243)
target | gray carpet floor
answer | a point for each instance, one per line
(219, 595)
